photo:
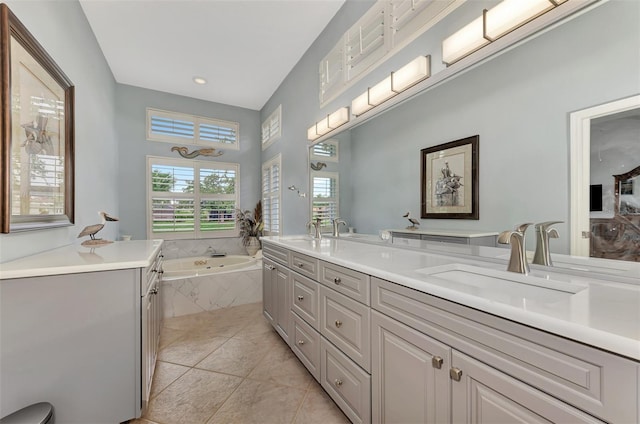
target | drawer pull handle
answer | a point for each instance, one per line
(270, 267)
(337, 280)
(337, 382)
(300, 342)
(338, 323)
(455, 374)
(300, 297)
(436, 361)
(300, 265)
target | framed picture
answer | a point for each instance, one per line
(37, 131)
(449, 180)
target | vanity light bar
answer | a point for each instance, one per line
(410, 74)
(330, 123)
(493, 24)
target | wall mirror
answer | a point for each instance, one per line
(37, 156)
(627, 192)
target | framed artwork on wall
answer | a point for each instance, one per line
(449, 180)
(37, 133)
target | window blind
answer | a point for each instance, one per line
(365, 41)
(271, 191)
(179, 127)
(272, 127)
(326, 150)
(325, 197)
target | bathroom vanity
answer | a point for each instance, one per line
(79, 328)
(400, 335)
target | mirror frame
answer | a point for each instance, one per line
(11, 27)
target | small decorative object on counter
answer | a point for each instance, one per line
(92, 230)
(414, 222)
(250, 226)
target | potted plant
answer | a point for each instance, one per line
(250, 226)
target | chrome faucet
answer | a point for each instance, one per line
(542, 256)
(316, 223)
(516, 238)
(336, 223)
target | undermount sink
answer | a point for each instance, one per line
(502, 286)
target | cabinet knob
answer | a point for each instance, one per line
(455, 374)
(300, 342)
(300, 265)
(338, 323)
(154, 290)
(300, 297)
(337, 382)
(436, 361)
(337, 280)
(270, 267)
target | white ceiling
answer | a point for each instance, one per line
(244, 48)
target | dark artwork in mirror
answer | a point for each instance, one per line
(625, 201)
(595, 198)
(449, 180)
(37, 154)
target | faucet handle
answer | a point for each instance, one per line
(544, 226)
(521, 228)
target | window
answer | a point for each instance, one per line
(191, 199)
(386, 28)
(271, 195)
(272, 127)
(325, 197)
(174, 127)
(326, 151)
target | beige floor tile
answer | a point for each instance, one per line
(259, 331)
(164, 375)
(169, 335)
(141, 421)
(318, 408)
(190, 349)
(192, 398)
(260, 403)
(236, 356)
(281, 366)
(189, 322)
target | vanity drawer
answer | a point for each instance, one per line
(347, 384)
(305, 265)
(306, 299)
(590, 379)
(276, 253)
(346, 281)
(347, 324)
(305, 343)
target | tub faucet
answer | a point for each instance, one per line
(542, 256)
(516, 238)
(316, 223)
(336, 223)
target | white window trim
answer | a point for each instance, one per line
(391, 45)
(326, 174)
(267, 127)
(197, 234)
(335, 158)
(197, 120)
(276, 160)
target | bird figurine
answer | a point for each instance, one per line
(414, 222)
(91, 230)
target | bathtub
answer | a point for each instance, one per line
(198, 284)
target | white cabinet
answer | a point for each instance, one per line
(277, 293)
(151, 323)
(269, 293)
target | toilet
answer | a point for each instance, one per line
(38, 413)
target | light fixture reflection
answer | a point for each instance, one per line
(464, 42)
(328, 124)
(510, 14)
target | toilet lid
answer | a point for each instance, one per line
(38, 413)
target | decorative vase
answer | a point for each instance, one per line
(253, 246)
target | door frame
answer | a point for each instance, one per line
(580, 167)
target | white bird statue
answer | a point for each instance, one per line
(414, 222)
(91, 230)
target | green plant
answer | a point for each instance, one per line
(250, 224)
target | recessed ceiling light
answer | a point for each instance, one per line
(199, 80)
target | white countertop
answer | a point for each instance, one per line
(74, 259)
(601, 312)
(446, 233)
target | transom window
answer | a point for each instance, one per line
(191, 199)
(175, 127)
(326, 151)
(272, 128)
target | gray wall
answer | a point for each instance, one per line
(518, 103)
(130, 122)
(63, 31)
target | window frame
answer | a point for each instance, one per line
(335, 199)
(272, 194)
(197, 121)
(268, 135)
(335, 158)
(197, 197)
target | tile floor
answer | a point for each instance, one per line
(230, 366)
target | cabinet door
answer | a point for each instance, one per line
(268, 290)
(485, 395)
(409, 374)
(283, 302)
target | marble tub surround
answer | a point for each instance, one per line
(248, 375)
(592, 310)
(174, 249)
(209, 292)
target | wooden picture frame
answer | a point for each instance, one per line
(37, 133)
(449, 180)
